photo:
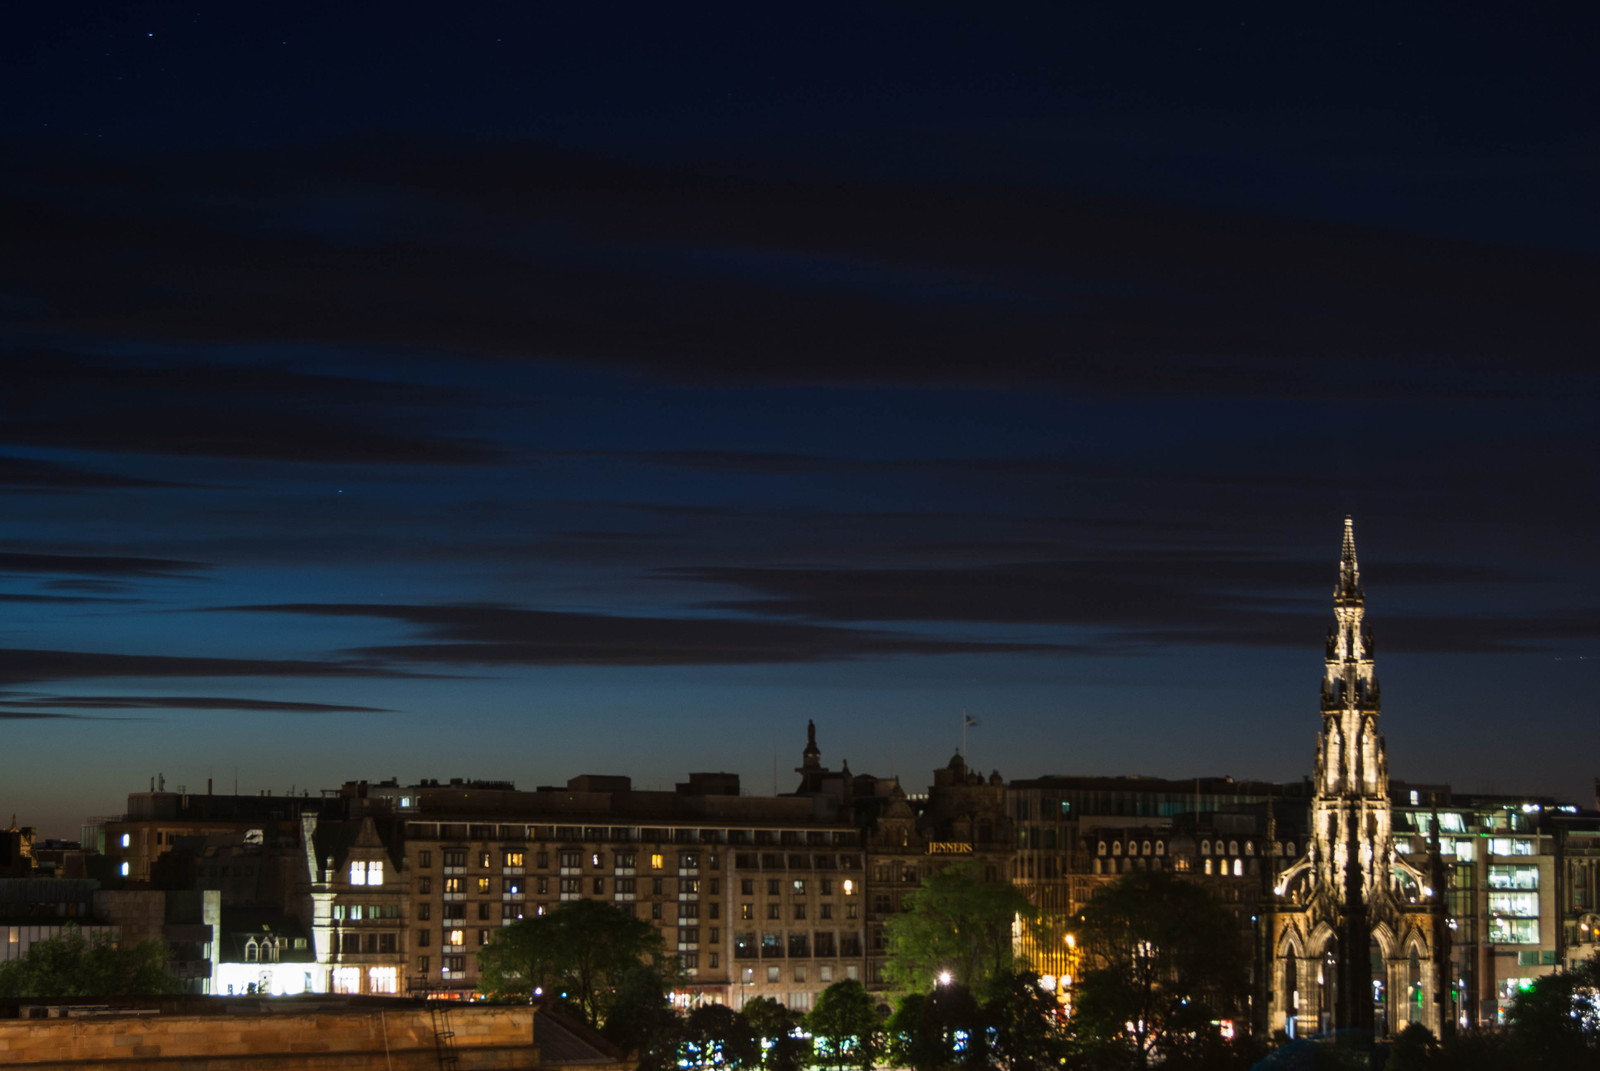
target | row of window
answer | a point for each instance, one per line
(360, 912)
(355, 943)
(795, 944)
(425, 831)
(798, 910)
(513, 859)
(795, 861)
(799, 972)
(1206, 848)
(380, 980)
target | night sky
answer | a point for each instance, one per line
(520, 391)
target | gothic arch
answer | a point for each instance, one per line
(1322, 938)
(1387, 943)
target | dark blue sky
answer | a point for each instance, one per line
(520, 391)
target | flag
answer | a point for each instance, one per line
(967, 720)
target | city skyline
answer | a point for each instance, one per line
(535, 394)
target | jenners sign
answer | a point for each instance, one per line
(949, 847)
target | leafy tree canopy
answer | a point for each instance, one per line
(716, 1036)
(1024, 1017)
(75, 965)
(580, 952)
(1160, 954)
(776, 1025)
(845, 1024)
(1556, 1022)
(960, 923)
(942, 1029)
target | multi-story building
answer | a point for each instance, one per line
(755, 896)
(1519, 875)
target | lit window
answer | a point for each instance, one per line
(1238, 868)
(656, 862)
(381, 980)
(849, 887)
(366, 873)
(125, 840)
(456, 937)
(347, 979)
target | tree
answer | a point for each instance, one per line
(641, 1019)
(1161, 961)
(845, 1026)
(1024, 1017)
(776, 1027)
(1414, 1049)
(941, 1029)
(580, 952)
(72, 965)
(717, 1036)
(958, 923)
(1556, 1021)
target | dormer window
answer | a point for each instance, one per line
(366, 873)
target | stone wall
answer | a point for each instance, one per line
(395, 1038)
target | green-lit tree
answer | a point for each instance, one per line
(958, 923)
(74, 965)
(845, 1024)
(580, 952)
(1161, 961)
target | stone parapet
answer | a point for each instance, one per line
(401, 1037)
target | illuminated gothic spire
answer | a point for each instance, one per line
(1349, 589)
(1352, 770)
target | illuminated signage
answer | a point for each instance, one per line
(949, 847)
